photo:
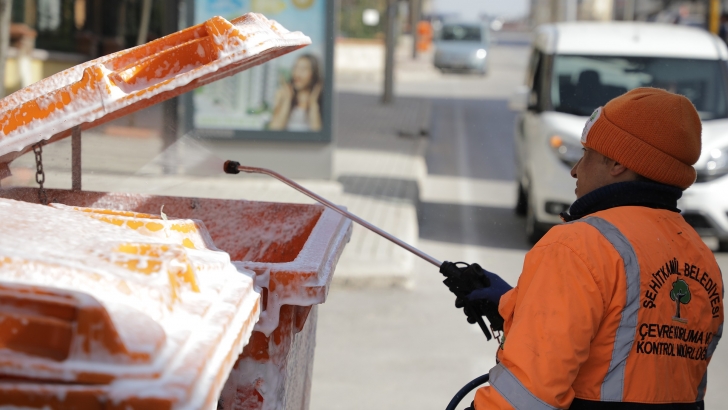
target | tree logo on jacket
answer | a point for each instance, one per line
(680, 293)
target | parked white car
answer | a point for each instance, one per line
(575, 68)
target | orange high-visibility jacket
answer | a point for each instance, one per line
(624, 305)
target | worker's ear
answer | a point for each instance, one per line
(617, 169)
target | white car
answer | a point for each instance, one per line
(462, 46)
(575, 68)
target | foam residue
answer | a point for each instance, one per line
(154, 290)
(315, 262)
(188, 233)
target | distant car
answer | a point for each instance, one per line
(575, 68)
(462, 46)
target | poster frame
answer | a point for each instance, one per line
(324, 135)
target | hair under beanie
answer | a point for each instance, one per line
(653, 132)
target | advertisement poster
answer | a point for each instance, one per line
(286, 98)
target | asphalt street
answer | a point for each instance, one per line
(410, 348)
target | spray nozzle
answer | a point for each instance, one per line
(231, 167)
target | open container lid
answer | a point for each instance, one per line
(118, 84)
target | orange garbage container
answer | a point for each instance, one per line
(118, 300)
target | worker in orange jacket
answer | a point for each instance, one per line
(621, 307)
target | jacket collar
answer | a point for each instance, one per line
(631, 193)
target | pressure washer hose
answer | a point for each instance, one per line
(467, 389)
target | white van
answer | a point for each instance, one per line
(575, 68)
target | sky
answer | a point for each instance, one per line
(504, 8)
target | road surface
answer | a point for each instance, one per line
(410, 348)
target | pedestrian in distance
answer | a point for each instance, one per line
(621, 307)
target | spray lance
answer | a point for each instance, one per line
(460, 277)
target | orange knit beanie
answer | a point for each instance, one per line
(653, 132)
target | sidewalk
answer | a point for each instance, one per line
(379, 161)
(378, 166)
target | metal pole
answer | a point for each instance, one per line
(570, 12)
(414, 19)
(170, 115)
(5, 10)
(390, 43)
(144, 24)
(554, 9)
(629, 9)
(76, 158)
(232, 166)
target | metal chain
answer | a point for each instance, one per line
(39, 173)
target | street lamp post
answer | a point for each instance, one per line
(414, 19)
(170, 115)
(629, 9)
(390, 43)
(5, 10)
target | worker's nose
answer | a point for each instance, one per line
(573, 169)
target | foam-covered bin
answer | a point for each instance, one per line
(292, 248)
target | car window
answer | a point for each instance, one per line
(580, 84)
(460, 32)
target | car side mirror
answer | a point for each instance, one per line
(533, 101)
(520, 99)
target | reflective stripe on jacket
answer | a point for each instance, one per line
(625, 305)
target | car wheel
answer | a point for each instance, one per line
(534, 229)
(521, 201)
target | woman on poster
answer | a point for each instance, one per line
(298, 101)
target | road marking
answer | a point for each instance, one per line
(480, 192)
